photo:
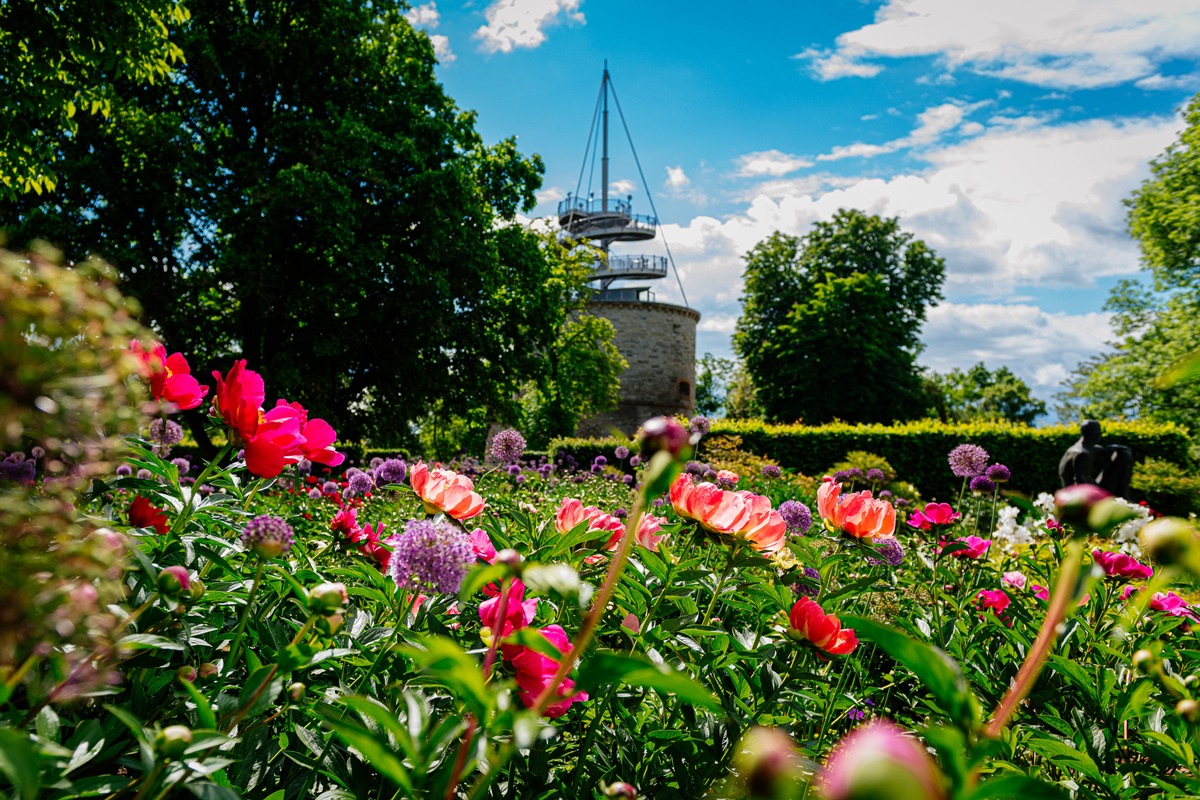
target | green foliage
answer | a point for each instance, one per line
(1168, 487)
(713, 377)
(303, 153)
(1164, 213)
(59, 62)
(841, 306)
(979, 393)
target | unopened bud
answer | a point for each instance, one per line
(330, 623)
(767, 764)
(196, 591)
(663, 433)
(619, 789)
(1072, 503)
(187, 673)
(327, 598)
(296, 691)
(509, 558)
(173, 740)
(207, 670)
(879, 761)
(1168, 541)
(1145, 661)
(173, 581)
(1105, 516)
(1188, 709)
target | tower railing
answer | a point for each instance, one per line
(627, 266)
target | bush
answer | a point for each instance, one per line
(1167, 487)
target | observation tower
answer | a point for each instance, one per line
(657, 339)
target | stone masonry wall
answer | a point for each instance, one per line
(659, 342)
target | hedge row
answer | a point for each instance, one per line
(918, 449)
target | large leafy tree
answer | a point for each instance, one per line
(304, 194)
(1157, 328)
(830, 325)
(980, 393)
(58, 62)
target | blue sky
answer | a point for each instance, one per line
(1004, 134)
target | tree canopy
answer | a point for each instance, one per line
(983, 394)
(830, 325)
(303, 193)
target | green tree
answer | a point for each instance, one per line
(979, 393)
(712, 384)
(830, 325)
(305, 195)
(1156, 329)
(59, 61)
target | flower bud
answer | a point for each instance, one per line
(196, 591)
(768, 765)
(1073, 503)
(509, 558)
(1168, 541)
(879, 761)
(173, 581)
(1188, 709)
(296, 691)
(327, 598)
(663, 433)
(187, 673)
(1106, 515)
(173, 740)
(207, 670)
(1145, 661)
(330, 623)
(619, 789)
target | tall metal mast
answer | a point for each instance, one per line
(604, 158)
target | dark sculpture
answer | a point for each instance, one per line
(1087, 461)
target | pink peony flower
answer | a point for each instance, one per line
(1014, 579)
(857, 514)
(1120, 565)
(715, 509)
(879, 760)
(976, 547)
(535, 671)
(765, 530)
(442, 490)
(481, 543)
(994, 599)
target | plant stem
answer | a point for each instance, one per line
(234, 649)
(186, 513)
(712, 604)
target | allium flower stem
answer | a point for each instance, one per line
(235, 648)
(1060, 603)
(712, 604)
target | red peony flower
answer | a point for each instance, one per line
(170, 377)
(143, 515)
(1120, 565)
(824, 631)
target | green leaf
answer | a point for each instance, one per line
(448, 664)
(1064, 756)
(374, 752)
(260, 691)
(606, 667)
(19, 763)
(932, 666)
(535, 640)
(205, 717)
(479, 577)
(1021, 787)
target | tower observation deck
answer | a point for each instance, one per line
(657, 339)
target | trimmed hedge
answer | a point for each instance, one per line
(918, 449)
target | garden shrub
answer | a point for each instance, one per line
(1166, 486)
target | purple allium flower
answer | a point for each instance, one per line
(376, 461)
(268, 536)
(16, 457)
(622, 452)
(659, 502)
(145, 474)
(579, 478)
(507, 446)
(875, 475)
(597, 469)
(182, 464)
(771, 471)
(700, 425)
(124, 470)
(37, 452)
(998, 473)
(314, 493)
(900, 502)
(968, 460)
(390, 471)
(165, 432)
(329, 487)
(804, 589)
(888, 551)
(885, 494)
(620, 513)
(855, 473)
(431, 555)
(628, 479)
(710, 475)
(304, 466)
(347, 493)
(521, 478)
(695, 468)
(635, 461)
(601, 460)
(514, 470)
(350, 473)
(361, 483)
(796, 516)
(841, 476)
(981, 483)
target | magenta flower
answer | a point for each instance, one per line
(975, 547)
(994, 599)
(934, 514)
(1122, 566)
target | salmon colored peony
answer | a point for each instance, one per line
(442, 490)
(573, 512)
(715, 509)
(857, 514)
(824, 631)
(765, 530)
(170, 377)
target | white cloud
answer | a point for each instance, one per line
(677, 179)
(770, 162)
(513, 24)
(550, 194)
(932, 123)
(718, 323)
(425, 16)
(1061, 44)
(441, 48)
(622, 186)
